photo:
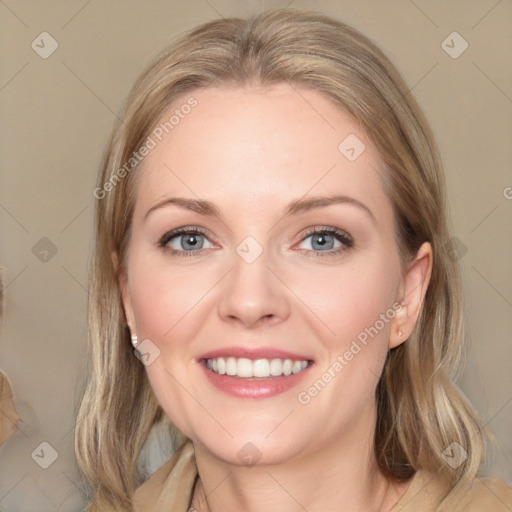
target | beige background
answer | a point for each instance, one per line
(57, 113)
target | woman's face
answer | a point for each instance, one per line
(254, 286)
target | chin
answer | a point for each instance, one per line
(249, 447)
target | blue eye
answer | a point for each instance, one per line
(184, 241)
(323, 241)
(191, 241)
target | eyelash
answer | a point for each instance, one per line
(339, 235)
(178, 232)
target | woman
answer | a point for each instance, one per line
(271, 239)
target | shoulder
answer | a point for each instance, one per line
(170, 486)
(426, 492)
(488, 494)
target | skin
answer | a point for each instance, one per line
(268, 147)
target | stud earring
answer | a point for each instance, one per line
(134, 340)
(399, 334)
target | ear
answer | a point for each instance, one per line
(411, 295)
(125, 292)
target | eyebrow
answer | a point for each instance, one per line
(296, 207)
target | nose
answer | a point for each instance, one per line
(252, 295)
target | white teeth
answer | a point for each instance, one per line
(276, 367)
(230, 366)
(246, 368)
(261, 368)
(221, 366)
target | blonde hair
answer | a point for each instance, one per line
(420, 411)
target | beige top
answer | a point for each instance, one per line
(170, 489)
(171, 486)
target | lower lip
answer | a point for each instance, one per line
(262, 387)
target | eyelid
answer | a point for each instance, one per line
(323, 229)
(342, 236)
(345, 239)
(181, 231)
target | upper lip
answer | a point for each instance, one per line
(254, 353)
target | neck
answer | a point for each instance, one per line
(340, 474)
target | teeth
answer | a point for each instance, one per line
(230, 366)
(276, 367)
(297, 367)
(246, 368)
(261, 368)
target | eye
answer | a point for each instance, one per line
(327, 241)
(187, 241)
(184, 241)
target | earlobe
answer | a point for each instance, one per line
(398, 333)
(413, 290)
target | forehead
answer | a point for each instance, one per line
(258, 146)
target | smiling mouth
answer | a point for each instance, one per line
(249, 368)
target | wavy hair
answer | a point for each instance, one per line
(420, 409)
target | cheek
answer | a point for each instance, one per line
(354, 304)
(348, 300)
(163, 299)
(167, 306)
